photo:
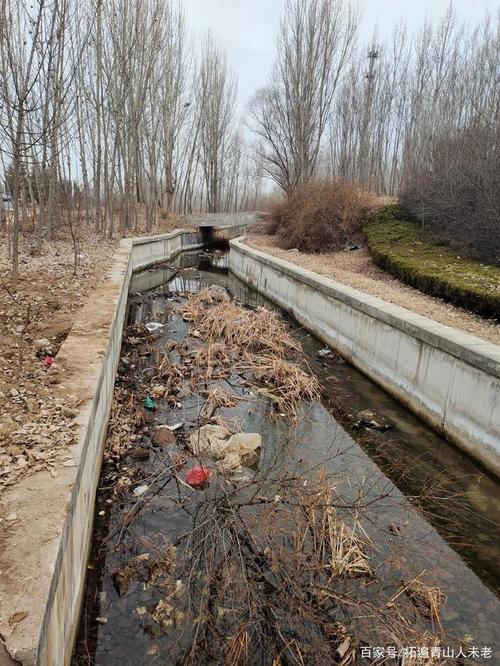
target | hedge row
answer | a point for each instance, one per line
(400, 247)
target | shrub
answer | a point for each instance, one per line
(320, 216)
(400, 247)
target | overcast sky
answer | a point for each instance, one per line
(247, 28)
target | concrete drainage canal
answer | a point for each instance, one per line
(261, 502)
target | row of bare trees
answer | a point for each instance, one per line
(104, 105)
(400, 99)
(334, 107)
(417, 115)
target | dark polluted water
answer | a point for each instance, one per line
(128, 615)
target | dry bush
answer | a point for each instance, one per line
(457, 191)
(283, 579)
(321, 216)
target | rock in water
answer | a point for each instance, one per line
(138, 453)
(163, 436)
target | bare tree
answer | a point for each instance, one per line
(23, 43)
(216, 94)
(290, 114)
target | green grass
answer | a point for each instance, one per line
(400, 247)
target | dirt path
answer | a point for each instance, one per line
(357, 270)
(37, 311)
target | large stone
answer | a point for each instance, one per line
(163, 436)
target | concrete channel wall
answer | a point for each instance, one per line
(449, 378)
(47, 556)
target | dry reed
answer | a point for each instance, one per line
(256, 341)
(287, 384)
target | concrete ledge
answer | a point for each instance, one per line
(150, 250)
(42, 564)
(450, 379)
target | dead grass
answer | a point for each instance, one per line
(428, 598)
(285, 578)
(287, 384)
(251, 341)
(321, 216)
(220, 398)
(216, 317)
(343, 554)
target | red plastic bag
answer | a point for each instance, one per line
(47, 361)
(198, 476)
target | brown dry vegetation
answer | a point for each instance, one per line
(253, 341)
(319, 217)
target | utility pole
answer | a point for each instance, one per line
(364, 142)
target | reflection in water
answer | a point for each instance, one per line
(415, 458)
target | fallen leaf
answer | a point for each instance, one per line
(18, 617)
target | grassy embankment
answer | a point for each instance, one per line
(400, 247)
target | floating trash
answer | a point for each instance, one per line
(176, 426)
(149, 403)
(153, 326)
(198, 476)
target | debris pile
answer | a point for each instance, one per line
(37, 438)
(256, 343)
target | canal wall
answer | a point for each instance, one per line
(43, 562)
(449, 378)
